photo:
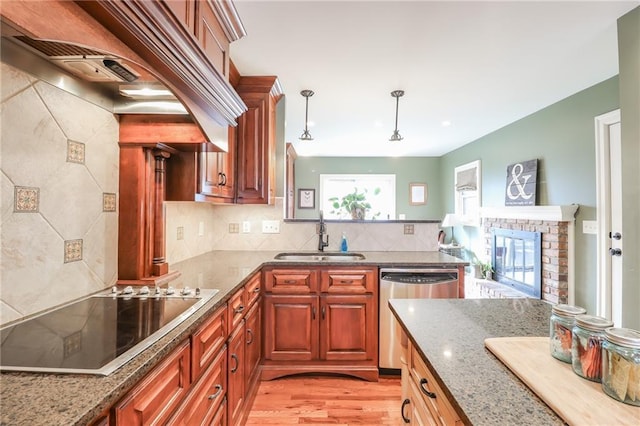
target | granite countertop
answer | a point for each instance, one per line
(450, 335)
(68, 399)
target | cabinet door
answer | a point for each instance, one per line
(253, 150)
(291, 327)
(253, 289)
(206, 397)
(235, 375)
(156, 396)
(184, 10)
(207, 340)
(212, 39)
(237, 307)
(217, 174)
(253, 341)
(348, 328)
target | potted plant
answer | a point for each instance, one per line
(354, 204)
(486, 270)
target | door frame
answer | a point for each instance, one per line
(603, 211)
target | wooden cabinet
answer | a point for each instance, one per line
(426, 403)
(253, 342)
(217, 174)
(155, 398)
(321, 320)
(206, 397)
(256, 140)
(207, 341)
(236, 374)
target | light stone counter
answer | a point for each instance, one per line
(72, 399)
(450, 336)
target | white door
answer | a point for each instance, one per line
(609, 215)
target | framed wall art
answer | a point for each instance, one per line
(306, 198)
(417, 194)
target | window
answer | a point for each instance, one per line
(363, 197)
(468, 193)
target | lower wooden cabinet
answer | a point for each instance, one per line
(253, 342)
(328, 327)
(426, 403)
(206, 397)
(153, 400)
(235, 375)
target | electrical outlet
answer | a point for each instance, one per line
(246, 227)
(180, 233)
(589, 226)
(270, 226)
(201, 229)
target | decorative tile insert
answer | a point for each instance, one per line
(75, 152)
(108, 202)
(72, 251)
(26, 200)
(180, 233)
(234, 228)
(408, 229)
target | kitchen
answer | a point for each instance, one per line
(98, 231)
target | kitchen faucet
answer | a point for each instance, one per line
(321, 231)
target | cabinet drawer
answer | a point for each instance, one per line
(252, 289)
(156, 396)
(296, 281)
(207, 341)
(236, 309)
(420, 414)
(202, 404)
(349, 280)
(430, 391)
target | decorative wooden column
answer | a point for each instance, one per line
(160, 266)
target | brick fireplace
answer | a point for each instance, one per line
(557, 227)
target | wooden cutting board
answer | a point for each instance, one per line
(578, 401)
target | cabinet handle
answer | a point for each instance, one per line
(347, 281)
(424, 391)
(289, 281)
(404, 404)
(313, 313)
(216, 393)
(235, 358)
(220, 179)
(224, 179)
(323, 312)
(239, 309)
(256, 290)
(250, 334)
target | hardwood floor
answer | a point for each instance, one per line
(327, 401)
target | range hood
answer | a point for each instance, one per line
(109, 44)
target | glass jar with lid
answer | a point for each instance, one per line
(621, 366)
(560, 330)
(586, 346)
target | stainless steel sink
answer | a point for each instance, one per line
(323, 257)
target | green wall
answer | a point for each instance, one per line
(407, 170)
(629, 54)
(562, 138)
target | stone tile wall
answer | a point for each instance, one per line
(59, 173)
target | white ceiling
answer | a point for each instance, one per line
(480, 65)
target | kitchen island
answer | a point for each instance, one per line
(74, 399)
(449, 335)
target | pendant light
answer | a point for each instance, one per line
(306, 136)
(396, 134)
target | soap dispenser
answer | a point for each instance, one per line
(343, 245)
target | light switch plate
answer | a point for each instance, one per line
(270, 226)
(589, 226)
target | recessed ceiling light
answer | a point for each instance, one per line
(446, 123)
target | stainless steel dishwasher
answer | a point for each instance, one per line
(408, 283)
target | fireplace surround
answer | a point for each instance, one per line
(556, 225)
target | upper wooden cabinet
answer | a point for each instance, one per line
(256, 138)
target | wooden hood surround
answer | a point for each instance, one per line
(148, 34)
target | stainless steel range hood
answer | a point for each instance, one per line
(86, 72)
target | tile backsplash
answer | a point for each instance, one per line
(222, 227)
(59, 171)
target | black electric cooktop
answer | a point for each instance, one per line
(95, 335)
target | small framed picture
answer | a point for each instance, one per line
(417, 193)
(306, 198)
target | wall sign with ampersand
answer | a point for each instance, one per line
(521, 184)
